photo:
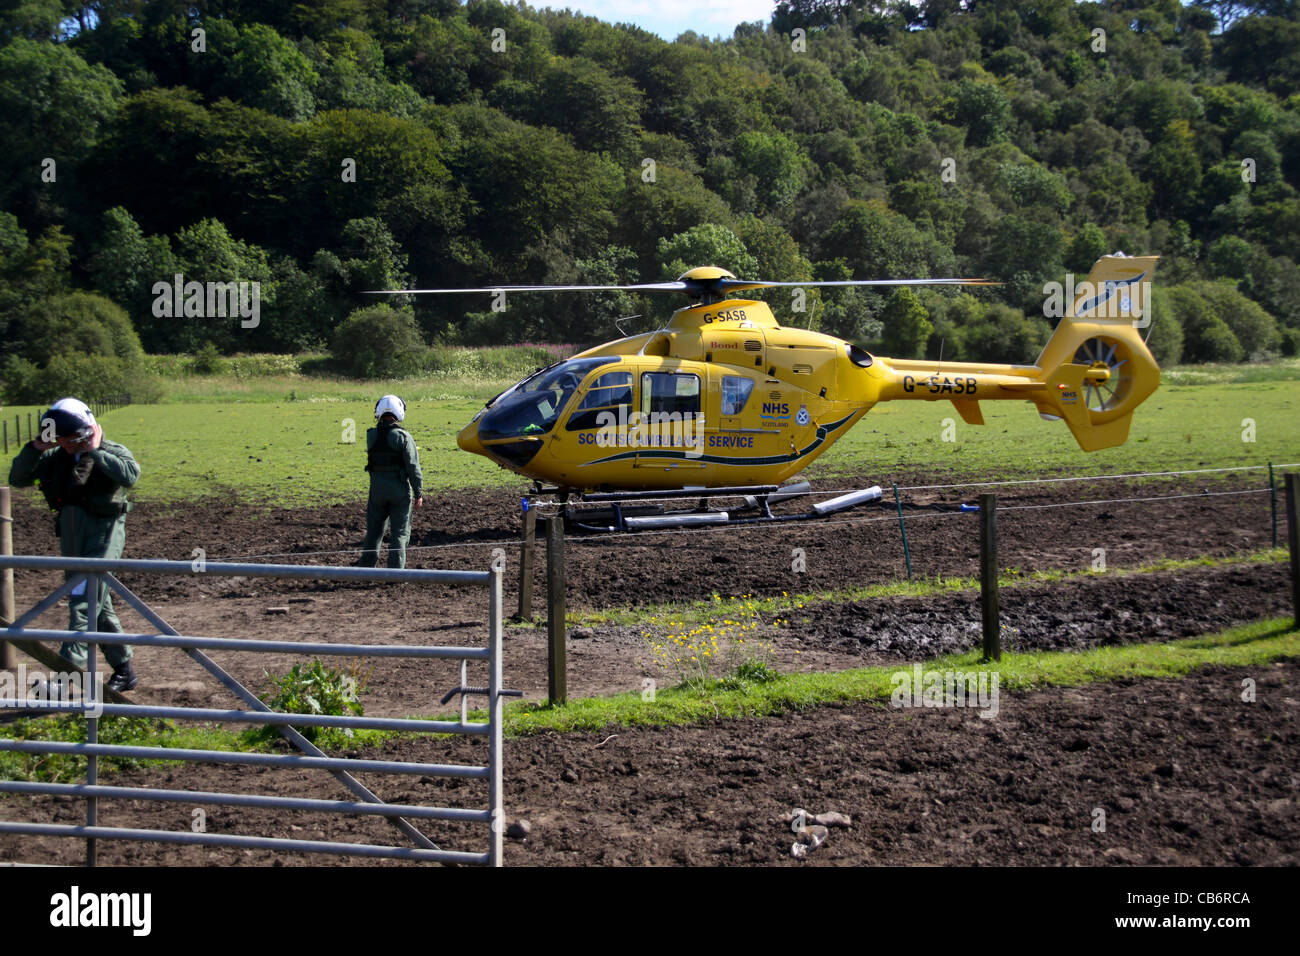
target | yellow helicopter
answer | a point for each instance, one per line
(723, 401)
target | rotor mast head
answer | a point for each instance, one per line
(706, 284)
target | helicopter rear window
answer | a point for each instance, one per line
(858, 356)
(735, 393)
(670, 393)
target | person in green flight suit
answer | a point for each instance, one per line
(395, 482)
(84, 478)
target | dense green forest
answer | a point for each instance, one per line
(328, 148)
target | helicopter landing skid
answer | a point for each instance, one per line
(640, 511)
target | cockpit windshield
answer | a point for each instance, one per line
(533, 406)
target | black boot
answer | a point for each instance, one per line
(123, 678)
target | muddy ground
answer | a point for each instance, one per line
(1181, 773)
(693, 565)
(836, 758)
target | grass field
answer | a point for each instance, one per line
(281, 439)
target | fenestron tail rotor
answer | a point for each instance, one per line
(1105, 352)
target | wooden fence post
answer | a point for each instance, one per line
(989, 577)
(557, 678)
(527, 549)
(1293, 540)
(8, 659)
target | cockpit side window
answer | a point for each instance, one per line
(608, 393)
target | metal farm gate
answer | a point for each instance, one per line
(93, 571)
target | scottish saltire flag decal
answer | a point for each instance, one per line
(1111, 286)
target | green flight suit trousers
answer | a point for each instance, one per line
(388, 508)
(84, 536)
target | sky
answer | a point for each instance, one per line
(668, 18)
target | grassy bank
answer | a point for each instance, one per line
(787, 606)
(1253, 645)
(288, 438)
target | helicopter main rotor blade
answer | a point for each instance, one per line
(738, 285)
(638, 287)
(698, 286)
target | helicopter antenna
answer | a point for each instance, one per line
(653, 335)
(626, 318)
(940, 369)
(812, 315)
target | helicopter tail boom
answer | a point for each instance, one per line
(1093, 372)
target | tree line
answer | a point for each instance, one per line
(327, 149)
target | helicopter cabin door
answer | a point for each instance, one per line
(671, 420)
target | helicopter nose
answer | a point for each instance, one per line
(468, 439)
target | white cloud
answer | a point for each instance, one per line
(668, 18)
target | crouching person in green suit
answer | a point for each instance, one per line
(84, 478)
(395, 483)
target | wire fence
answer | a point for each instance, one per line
(98, 408)
(547, 508)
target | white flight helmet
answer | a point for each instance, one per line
(390, 405)
(71, 417)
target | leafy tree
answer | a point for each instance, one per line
(76, 344)
(1264, 51)
(269, 72)
(1024, 254)
(984, 110)
(305, 310)
(1165, 336)
(1254, 328)
(776, 163)
(78, 323)
(528, 182)
(1031, 185)
(1275, 285)
(91, 377)
(204, 252)
(1153, 105)
(907, 326)
(126, 263)
(152, 156)
(932, 138)
(777, 257)
(1207, 337)
(1004, 334)
(950, 315)
(29, 271)
(389, 163)
(351, 74)
(1230, 257)
(53, 106)
(378, 342)
(601, 113)
(876, 242)
(1174, 170)
(1087, 246)
(705, 245)
(32, 19)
